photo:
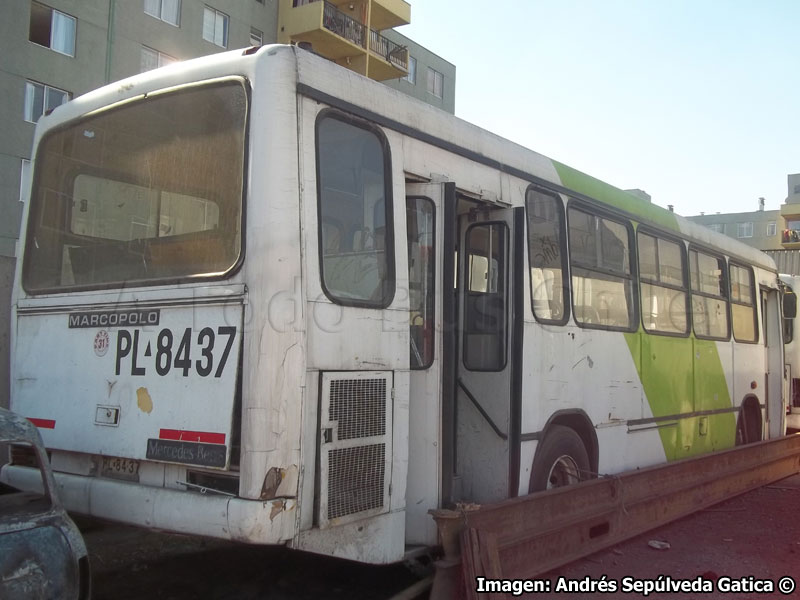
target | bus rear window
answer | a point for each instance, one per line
(140, 194)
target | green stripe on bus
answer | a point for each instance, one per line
(680, 376)
(615, 197)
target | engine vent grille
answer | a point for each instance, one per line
(355, 445)
(355, 479)
(359, 407)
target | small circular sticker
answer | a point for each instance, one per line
(101, 343)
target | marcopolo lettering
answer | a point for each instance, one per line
(114, 318)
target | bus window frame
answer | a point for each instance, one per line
(389, 238)
(566, 283)
(658, 234)
(726, 285)
(434, 240)
(246, 86)
(753, 305)
(633, 261)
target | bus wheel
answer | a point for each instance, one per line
(560, 460)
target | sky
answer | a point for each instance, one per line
(693, 101)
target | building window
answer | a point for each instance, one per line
(744, 230)
(168, 11)
(52, 29)
(412, 71)
(215, 27)
(256, 37)
(260, 1)
(718, 227)
(435, 82)
(41, 99)
(152, 59)
(772, 228)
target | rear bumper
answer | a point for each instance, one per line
(224, 517)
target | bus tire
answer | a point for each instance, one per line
(560, 460)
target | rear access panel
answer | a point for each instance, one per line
(355, 445)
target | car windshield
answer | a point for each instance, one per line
(140, 193)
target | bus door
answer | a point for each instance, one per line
(425, 210)
(773, 362)
(489, 346)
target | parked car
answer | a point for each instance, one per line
(42, 553)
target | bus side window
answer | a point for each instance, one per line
(485, 326)
(547, 256)
(421, 279)
(709, 296)
(602, 283)
(355, 212)
(662, 276)
(743, 304)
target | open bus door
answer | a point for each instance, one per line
(773, 363)
(464, 401)
(487, 368)
(428, 208)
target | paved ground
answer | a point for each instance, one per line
(757, 534)
(754, 535)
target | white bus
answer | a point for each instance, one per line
(263, 298)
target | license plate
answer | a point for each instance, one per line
(120, 468)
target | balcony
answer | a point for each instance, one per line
(790, 236)
(387, 59)
(331, 33)
(384, 14)
(387, 14)
(334, 31)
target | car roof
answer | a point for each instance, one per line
(14, 427)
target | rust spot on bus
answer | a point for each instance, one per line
(144, 401)
(271, 483)
(279, 483)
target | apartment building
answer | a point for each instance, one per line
(776, 232)
(55, 50)
(760, 228)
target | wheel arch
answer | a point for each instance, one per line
(577, 420)
(749, 409)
